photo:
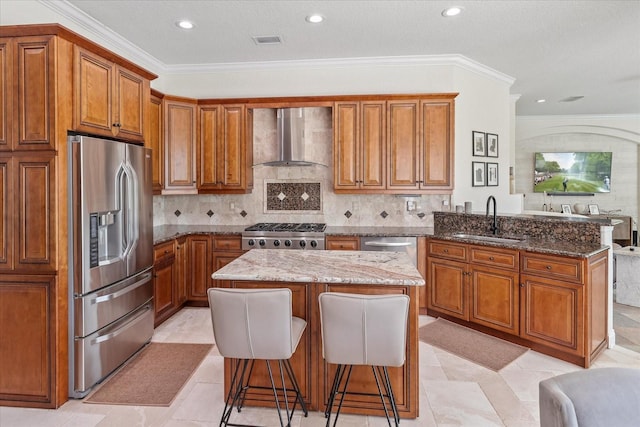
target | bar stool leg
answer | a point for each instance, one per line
(384, 404)
(343, 392)
(294, 382)
(245, 387)
(392, 398)
(235, 390)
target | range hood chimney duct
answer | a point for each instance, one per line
(290, 136)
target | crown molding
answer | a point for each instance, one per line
(98, 32)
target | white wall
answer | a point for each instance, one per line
(618, 134)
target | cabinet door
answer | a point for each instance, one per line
(35, 96)
(93, 91)
(437, 146)
(129, 104)
(552, 312)
(7, 107)
(342, 243)
(154, 140)
(402, 152)
(208, 133)
(181, 271)
(373, 142)
(495, 298)
(447, 293)
(27, 322)
(6, 217)
(345, 145)
(35, 213)
(199, 272)
(164, 298)
(231, 168)
(179, 147)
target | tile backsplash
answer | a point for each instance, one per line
(308, 190)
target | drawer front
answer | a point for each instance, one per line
(342, 244)
(494, 258)
(163, 250)
(227, 243)
(448, 250)
(556, 267)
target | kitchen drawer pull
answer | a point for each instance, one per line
(388, 244)
(446, 251)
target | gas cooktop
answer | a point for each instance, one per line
(293, 227)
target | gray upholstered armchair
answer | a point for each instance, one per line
(595, 397)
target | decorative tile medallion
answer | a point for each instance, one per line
(210, 213)
(243, 213)
(384, 214)
(293, 196)
(348, 214)
(177, 213)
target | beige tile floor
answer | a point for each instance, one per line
(454, 392)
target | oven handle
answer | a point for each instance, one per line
(387, 244)
(145, 278)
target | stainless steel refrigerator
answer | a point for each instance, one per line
(110, 257)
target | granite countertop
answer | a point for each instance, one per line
(163, 233)
(545, 246)
(357, 267)
(379, 231)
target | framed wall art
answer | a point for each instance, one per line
(492, 145)
(479, 143)
(477, 174)
(492, 174)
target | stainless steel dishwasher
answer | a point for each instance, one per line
(391, 244)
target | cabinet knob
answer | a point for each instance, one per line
(522, 285)
(117, 125)
(548, 267)
(446, 251)
(166, 251)
(491, 258)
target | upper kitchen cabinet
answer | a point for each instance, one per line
(155, 141)
(179, 145)
(225, 150)
(28, 67)
(359, 148)
(394, 144)
(110, 100)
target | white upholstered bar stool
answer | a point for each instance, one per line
(257, 324)
(363, 330)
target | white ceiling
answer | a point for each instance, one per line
(553, 49)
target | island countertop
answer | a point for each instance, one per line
(358, 267)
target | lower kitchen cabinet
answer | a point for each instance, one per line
(164, 281)
(342, 243)
(553, 304)
(181, 270)
(27, 329)
(198, 268)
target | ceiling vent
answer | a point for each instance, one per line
(571, 99)
(267, 39)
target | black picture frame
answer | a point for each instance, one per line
(492, 175)
(479, 143)
(478, 173)
(492, 145)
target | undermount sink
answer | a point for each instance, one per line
(487, 238)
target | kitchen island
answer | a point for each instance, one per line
(309, 273)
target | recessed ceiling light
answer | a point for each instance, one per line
(541, 101)
(185, 25)
(451, 11)
(315, 18)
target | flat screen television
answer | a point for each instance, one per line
(576, 172)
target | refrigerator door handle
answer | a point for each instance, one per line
(104, 298)
(130, 208)
(123, 205)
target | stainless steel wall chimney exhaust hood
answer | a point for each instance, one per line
(290, 135)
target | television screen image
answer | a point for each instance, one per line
(577, 172)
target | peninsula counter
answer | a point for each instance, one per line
(309, 273)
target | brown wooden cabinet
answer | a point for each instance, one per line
(396, 145)
(181, 270)
(110, 100)
(554, 304)
(225, 154)
(164, 281)
(155, 141)
(199, 268)
(179, 145)
(564, 304)
(28, 355)
(359, 153)
(342, 243)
